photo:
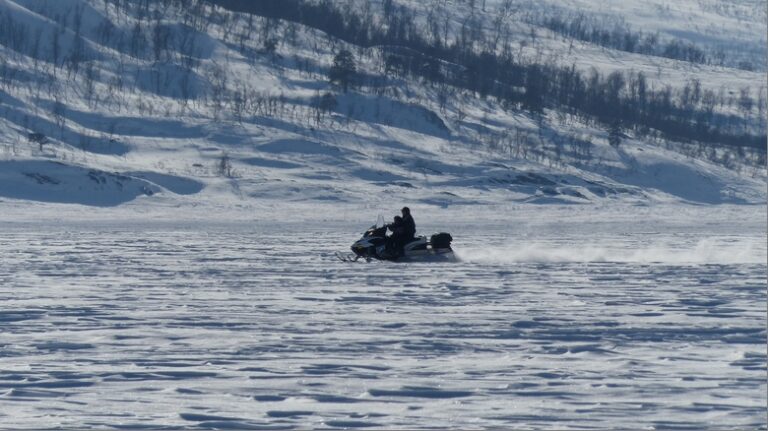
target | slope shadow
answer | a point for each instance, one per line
(133, 126)
(55, 182)
(173, 183)
(388, 112)
(674, 178)
(92, 144)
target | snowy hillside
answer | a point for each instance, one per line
(104, 102)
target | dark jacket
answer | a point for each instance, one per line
(397, 228)
(409, 226)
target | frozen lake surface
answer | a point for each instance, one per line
(260, 327)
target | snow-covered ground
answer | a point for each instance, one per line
(612, 320)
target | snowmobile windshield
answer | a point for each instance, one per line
(376, 227)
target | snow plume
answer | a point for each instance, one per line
(705, 251)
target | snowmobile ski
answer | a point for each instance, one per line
(347, 257)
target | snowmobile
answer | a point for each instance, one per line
(375, 244)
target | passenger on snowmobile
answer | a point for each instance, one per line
(396, 227)
(398, 238)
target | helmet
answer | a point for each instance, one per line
(406, 210)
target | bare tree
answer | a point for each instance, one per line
(38, 138)
(343, 69)
(59, 112)
(614, 134)
(224, 166)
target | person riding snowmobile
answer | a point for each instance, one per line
(409, 225)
